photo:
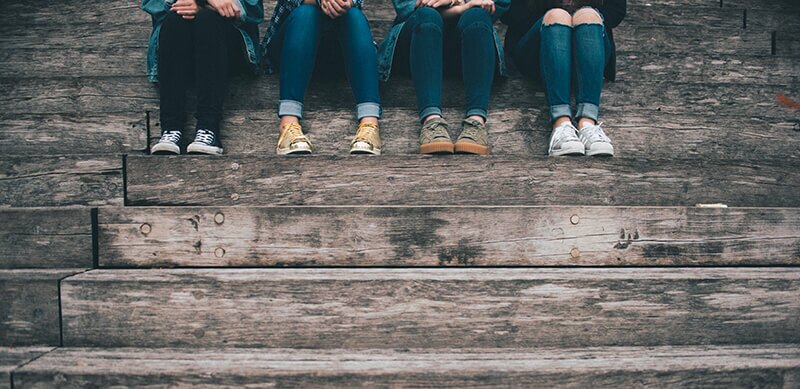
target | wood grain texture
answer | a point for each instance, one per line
(447, 236)
(459, 180)
(29, 309)
(710, 366)
(521, 132)
(12, 358)
(431, 308)
(22, 134)
(45, 238)
(48, 181)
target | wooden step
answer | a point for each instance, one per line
(46, 238)
(30, 306)
(430, 308)
(522, 132)
(12, 358)
(447, 236)
(49, 181)
(459, 180)
(695, 366)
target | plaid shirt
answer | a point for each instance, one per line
(282, 11)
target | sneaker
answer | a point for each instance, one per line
(596, 141)
(170, 143)
(367, 140)
(434, 138)
(473, 138)
(205, 142)
(293, 141)
(565, 141)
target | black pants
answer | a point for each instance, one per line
(207, 49)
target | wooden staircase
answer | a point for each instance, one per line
(118, 268)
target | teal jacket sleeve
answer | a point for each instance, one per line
(156, 7)
(252, 11)
(500, 8)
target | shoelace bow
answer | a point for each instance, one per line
(366, 132)
(171, 136)
(295, 132)
(596, 132)
(439, 130)
(204, 136)
(470, 132)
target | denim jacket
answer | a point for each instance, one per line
(252, 13)
(404, 9)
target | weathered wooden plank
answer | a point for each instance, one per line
(703, 39)
(431, 308)
(25, 134)
(134, 94)
(45, 238)
(447, 236)
(523, 132)
(47, 181)
(12, 358)
(460, 180)
(29, 309)
(710, 366)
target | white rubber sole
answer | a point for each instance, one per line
(197, 148)
(601, 149)
(569, 148)
(364, 148)
(298, 148)
(165, 148)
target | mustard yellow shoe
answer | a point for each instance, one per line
(367, 140)
(293, 141)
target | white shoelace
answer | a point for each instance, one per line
(595, 133)
(566, 132)
(204, 136)
(170, 137)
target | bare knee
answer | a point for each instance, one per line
(587, 15)
(557, 16)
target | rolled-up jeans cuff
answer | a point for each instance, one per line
(290, 108)
(588, 110)
(477, 112)
(365, 110)
(558, 111)
(428, 111)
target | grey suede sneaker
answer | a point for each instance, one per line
(473, 139)
(434, 138)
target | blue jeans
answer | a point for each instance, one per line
(346, 47)
(558, 54)
(427, 43)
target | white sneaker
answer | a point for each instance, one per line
(565, 141)
(596, 141)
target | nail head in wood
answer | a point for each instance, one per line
(235, 196)
(574, 253)
(219, 218)
(145, 228)
(575, 219)
(234, 166)
(219, 252)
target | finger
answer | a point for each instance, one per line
(188, 17)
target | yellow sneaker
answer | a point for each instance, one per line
(293, 141)
(367, 140)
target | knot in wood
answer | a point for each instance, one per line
(219, 218)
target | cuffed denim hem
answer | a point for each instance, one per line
(558, 111)
(290, 108)
(588, 110)
(477, 112)
(365, 110)
(429, 111)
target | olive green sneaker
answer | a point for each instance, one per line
(473, 139)
(434, 138)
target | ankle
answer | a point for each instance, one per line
(583, 122)
(368, 120)
(287, 120)
(431, 117)
(561, 120)
(479, 118)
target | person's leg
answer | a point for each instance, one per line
(590, 60)
(477, 60)
(361, 63)
(555, 63)
(424, 29)
(174, 57)
(297, 44)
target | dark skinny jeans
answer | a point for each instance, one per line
(427, 43)
(206, 49)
